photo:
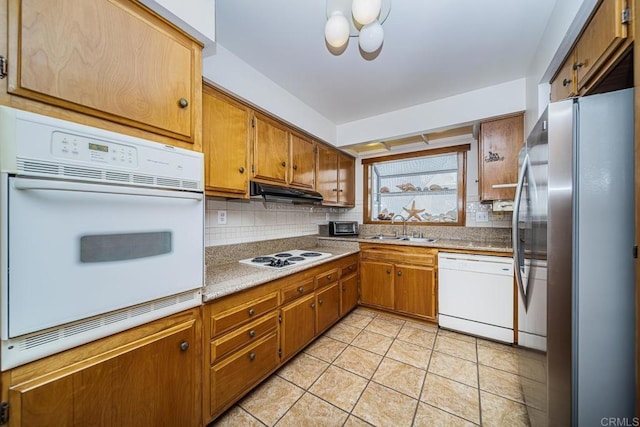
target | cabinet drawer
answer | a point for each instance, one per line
(236, 339)
(327, 277)
(242, 370)
(349, 269)
(297, 290)
(221, 322)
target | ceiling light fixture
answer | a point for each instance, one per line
(356, 18)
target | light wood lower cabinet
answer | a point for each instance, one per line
(250, 334)
(147, 376)
(399, 278)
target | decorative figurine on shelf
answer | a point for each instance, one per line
(413, 212)
(384, 215)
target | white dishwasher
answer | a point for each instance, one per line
(475, 295)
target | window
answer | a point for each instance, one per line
(426, 187)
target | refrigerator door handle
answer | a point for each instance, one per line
(514, 231)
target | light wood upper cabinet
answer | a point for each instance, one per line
(600, 39)
(335, 176)
(225, 139)
(270, 150)
(606, 39)
(150, 375)
(110, 59)
(302, 170)
(498, 145)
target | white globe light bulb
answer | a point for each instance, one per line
(336, 30)
(371, 37)
(365, 11)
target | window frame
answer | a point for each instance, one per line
(461, 151)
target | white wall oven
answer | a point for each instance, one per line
(99, 232)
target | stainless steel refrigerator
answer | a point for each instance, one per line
(573, 232)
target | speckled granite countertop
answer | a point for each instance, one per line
(498, 246)
(231, 277)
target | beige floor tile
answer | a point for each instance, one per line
(391, 318)
(496, 345)
(417, 336)
(454, 368)
(356, 320)
(271, 400)
(381, 406)
(425, 326)
(303, 370)
(311, 411)
(429, 416)
(498, 411)
(535, 393)
(400, 377)
(339, 387)
(358, 361)
(373, 342)
(365, 311)
(453, 347)
(353, 421)
(344, 333)
(387, 327)
(236, 416)
(455, 335)
(502, 383)
(451, 396)
(411, 354)
(325, 348)
(498, 359)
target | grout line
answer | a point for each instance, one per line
(478, 374)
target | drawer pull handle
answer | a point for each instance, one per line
(252, 356)
(184, 346)
(252, 333)
(351, 268)
(183, 103)
(251, 312)
(329, 277)
(399, 273)
(301, 289)
(320, 302)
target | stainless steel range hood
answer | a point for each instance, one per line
(273, 193)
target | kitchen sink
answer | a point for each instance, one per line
(418, 239)
(381, 237)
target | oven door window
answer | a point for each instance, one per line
(87, 249)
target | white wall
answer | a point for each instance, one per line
(229, 72)
(196, 17)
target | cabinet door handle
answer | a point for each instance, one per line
(183, 103)
(295, 167)
(252, 356)
(320, 301)
(184, 346)
(578, 65)
(399, 273)
(388, 271)
(252, 333)
(341, 190)
(251, 312)
(283, 164)
(241, 170)
(566, 82)
(335, 189)
(344, 288)
(301, 289)
(313, 305)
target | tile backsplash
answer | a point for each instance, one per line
(252, 221)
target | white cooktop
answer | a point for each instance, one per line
(285, 259)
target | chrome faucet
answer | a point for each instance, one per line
(404, 224)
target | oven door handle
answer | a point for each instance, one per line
(38, 184)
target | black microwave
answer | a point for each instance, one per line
(343, 228)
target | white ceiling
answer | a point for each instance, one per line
(432, 49)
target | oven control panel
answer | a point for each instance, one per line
(92, 150)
